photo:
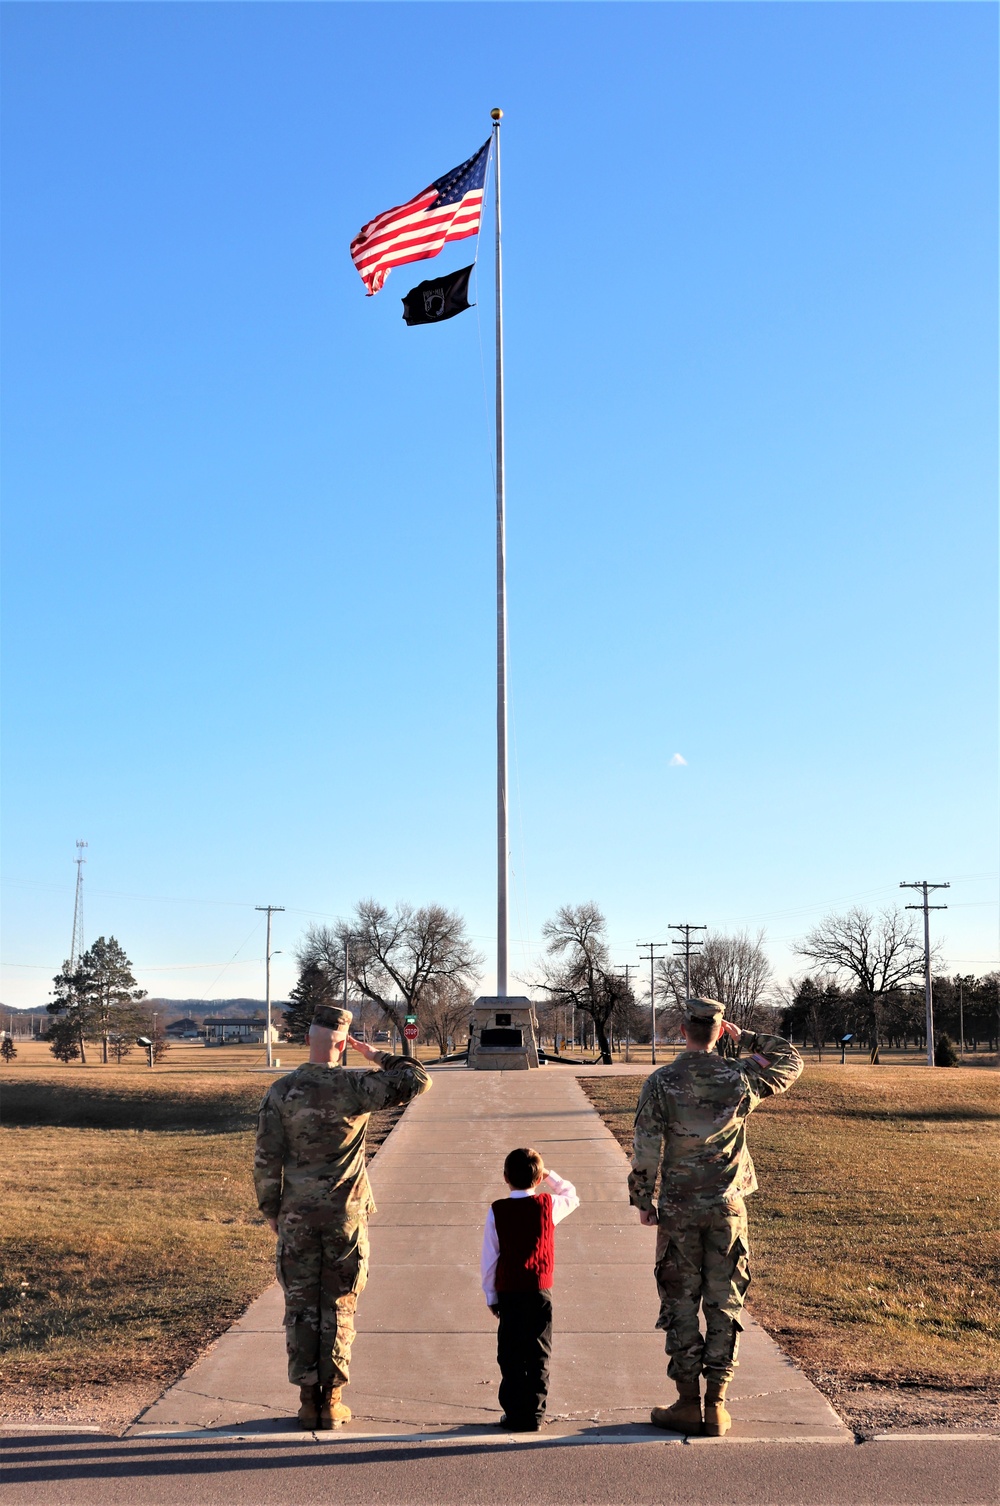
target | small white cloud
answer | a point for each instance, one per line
(677, 762)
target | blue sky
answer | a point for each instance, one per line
(750, 298)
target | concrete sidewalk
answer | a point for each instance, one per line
(425, 1356)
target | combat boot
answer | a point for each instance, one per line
(685, 1414)
(331, 1409)
(308, 1415)
(717, 1419)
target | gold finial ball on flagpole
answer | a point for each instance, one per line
(496, 115)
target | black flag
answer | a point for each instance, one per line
(439, 298)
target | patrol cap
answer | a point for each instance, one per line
(704, 1011)
(330, 1017)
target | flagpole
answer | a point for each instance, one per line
(502, 844)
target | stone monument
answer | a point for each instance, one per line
(503, 1035)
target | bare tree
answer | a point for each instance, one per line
(119, 1046)
(816, 1007)
(879, 953)
(580, 974)
(161, 1040)
(628, 1019)
(395, 955)
(445, 1010)
(733, 969)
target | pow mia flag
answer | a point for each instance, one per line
(438, 298)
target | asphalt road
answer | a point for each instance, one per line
(75, 1469)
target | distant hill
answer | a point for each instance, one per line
(166, 1010)
(198, 1009)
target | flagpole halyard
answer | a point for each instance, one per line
(502, 842)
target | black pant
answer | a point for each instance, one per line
(524, 1344)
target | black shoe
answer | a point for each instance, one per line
(513, 1425)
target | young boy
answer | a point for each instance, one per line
(517, 1263)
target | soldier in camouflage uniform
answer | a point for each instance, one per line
(690, 1135)
(312, 1188)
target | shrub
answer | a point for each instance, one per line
(945, 1054)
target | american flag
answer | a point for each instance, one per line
(449, 209)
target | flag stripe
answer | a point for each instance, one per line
(449, 209)
(417, 224)
(432, 237)
(421, 253)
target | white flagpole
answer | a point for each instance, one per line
(502, 846)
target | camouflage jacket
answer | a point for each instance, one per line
(690, 1125)
(309, 1163)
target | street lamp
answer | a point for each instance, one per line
(268, 954)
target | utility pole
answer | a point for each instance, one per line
(76, 945)
(687, 946)
(655, 950)
(347, 965)
(269, 910)
(961, 1020)
(627, 968)
(927, 889)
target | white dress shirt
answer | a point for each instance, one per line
(564, 1200)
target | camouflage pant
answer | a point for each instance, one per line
(702, 1257)
(322, 1273)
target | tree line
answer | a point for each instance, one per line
(867, 980)
(420, 962)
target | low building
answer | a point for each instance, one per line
(226, 1031)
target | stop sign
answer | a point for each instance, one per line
(411, 1032)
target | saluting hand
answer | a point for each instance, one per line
(733, 1031)
(362, 1048)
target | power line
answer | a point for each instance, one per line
(627, 968)
(687, 946)
(655, 950)
(926, 889)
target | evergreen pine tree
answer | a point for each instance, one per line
(314, 987)
(64, 1039)
(945, 1054)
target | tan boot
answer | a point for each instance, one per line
(717, 1419)
(332, 1410)
(308, 1414)
(685, 1414)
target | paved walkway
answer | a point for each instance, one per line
(425, 1356)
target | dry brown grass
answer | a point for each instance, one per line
(874, 1232)
(184, 1057)
(131, 1236)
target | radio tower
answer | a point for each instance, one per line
(76, 948)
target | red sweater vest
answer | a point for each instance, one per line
(525, 1233)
